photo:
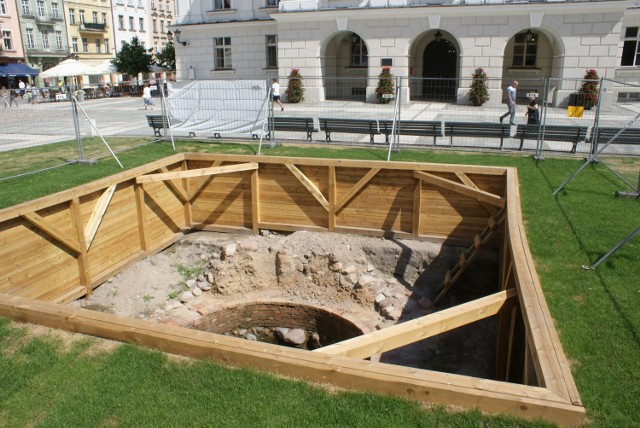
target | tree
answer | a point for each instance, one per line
(479, 89)
(385, 85)
(588, 94)
(132, 58)
(167, 57)
(295, 89)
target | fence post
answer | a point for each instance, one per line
(546, 87)
(76, 127)
(594, 130)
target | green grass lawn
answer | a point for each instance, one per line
(46, 382)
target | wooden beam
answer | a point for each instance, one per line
(420, 328)
(188, 217)
(52, 231)
(480, 195)
(179, 191)
(356, 188)
(332, 197)
(83, 262)
(255, 201)
(99, 210)
(311, 187)
(176, 175)
(141, 216)
(417, 209)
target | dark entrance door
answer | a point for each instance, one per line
(440, 60)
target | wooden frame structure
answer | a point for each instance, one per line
(58, 248)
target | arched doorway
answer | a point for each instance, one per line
(439, 70)
(345, 67)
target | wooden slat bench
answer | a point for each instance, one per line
(418, 128)
(158, 123)
(369, 127)
(628, 136)
(477, 129)
(292, 124)
(571, 134)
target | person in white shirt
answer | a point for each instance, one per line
(146, 97)
(511, 103)
(275, 93)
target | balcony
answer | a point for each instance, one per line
(93, 27)
(44, 19)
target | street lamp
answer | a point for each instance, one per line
(438, 36)
(178, 32)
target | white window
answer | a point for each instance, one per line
(631, 47)
(359, 53)
(3, 7)
(221, 4)
(98, 46)
(160, 5)
(31, 41)
(72, 16)
(74, 44)
(120, 22)
(139, 3)
(525, 49)
(26, 9)
(154, 25)
(82, 17)
(141, 24)
(162, 26)
(59, 44)
(168, 9)
(42, 12)
(45, 40)
(104, 18)
(94, 15)
(106, 45)
(55, 10)
(131, 27)
(272, 3)
(153, 5)
(222, 52)
(85, 45)
(6, 40)
(272, 51)
(130, 3)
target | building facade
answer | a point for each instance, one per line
(11, 49)
(349, 41)
(43, 30)
(90, 35)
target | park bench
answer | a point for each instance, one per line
(418, 128)
(290, 124)
(158, 123)
(572, 134)
(478, 130)
(628, 136)
(369, 127)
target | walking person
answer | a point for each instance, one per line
(511, 103)
(275, 93)
(146, 97)
(21, 86)
(12, 97)
(5, 97)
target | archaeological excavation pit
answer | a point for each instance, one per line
(488, 342)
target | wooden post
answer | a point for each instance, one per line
(255, 201)
(140, 209)
(417, 209)
(188, 222)
(81, 257)
(332, 198)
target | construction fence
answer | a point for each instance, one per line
(72, 124)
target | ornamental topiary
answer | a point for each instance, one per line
(479, 89)
(588, 95)
(385, 85)
(295, 89)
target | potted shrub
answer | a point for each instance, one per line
(588, 95)
(385, 86)
(479, 88)
(295, 89)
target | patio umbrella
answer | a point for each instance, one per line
(104, 67)
(69, 67)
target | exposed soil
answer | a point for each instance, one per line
(379, 282)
